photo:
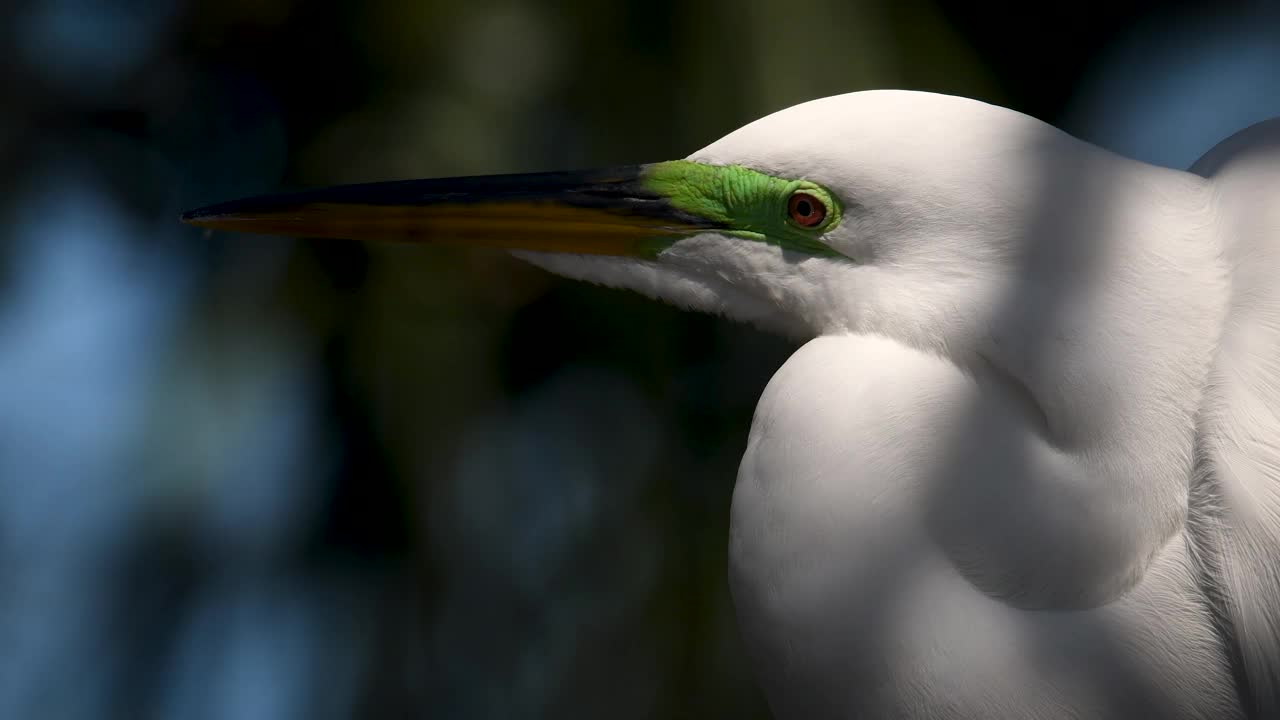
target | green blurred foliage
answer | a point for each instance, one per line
(427, 342)
(524, 482)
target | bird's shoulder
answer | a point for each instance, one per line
(1235, 495)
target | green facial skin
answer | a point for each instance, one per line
(752, 204)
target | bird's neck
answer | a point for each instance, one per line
(1105, 318)
(1098, 347)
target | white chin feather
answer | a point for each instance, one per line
(660, 281)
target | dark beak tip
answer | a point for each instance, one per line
(199, 215)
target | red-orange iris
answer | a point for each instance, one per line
(806, 210)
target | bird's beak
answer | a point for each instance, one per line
(601, 212)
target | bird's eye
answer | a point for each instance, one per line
(806, 210)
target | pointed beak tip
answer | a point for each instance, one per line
(609, 212)
(201, 215)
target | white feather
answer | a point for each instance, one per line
(1029, 467)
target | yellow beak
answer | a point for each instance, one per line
(602, 212)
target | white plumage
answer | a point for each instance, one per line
(1028, 464)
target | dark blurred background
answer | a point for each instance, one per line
(251, 477)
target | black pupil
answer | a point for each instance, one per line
(804, 208)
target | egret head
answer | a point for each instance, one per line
(896, 212)
(887, 211)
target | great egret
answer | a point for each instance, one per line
(1028, 463)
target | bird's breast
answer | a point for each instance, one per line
(828, 552)
(849, 607)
